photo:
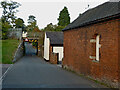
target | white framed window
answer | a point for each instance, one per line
(95, 42)
(97, 47)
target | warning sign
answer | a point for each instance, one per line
(26, 39)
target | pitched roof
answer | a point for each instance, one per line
(56, 38)
(95, 14)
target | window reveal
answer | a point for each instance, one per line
(95, 46)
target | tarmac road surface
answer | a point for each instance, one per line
(34, 72)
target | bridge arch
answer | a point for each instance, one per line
(30, 46)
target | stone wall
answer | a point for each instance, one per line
(15, 33)
(19, 52)
(78, 49)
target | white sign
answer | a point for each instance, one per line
(26, 39)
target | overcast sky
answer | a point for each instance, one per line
(47, 11)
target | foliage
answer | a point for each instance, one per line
(0, 24)
(9, 11)
(64, 18)
(63, 21)
(19, 23)
(5, 27)
(36, 29)
(8, 16)
(51, 27)
(31, 22)
(31, 19)
(35, 44)
(59, 28)
(0, 29)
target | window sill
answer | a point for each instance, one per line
(95, 61)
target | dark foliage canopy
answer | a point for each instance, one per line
(64, 18)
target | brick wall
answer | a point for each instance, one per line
(78, 48)
(119, 52)
(53, 56)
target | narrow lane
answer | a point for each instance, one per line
(33, 72)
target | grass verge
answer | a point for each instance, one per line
(8, 50)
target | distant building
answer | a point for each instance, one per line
(53, 47)
(91, 43)
(24, 34)
(15, 33)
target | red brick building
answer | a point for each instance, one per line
(91, 43)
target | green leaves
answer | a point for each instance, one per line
(51, 27)
(31, 22)
(64, 18)
(8, 17)
(5, 27)
(19, 23)
(9, 10)
(31, 19)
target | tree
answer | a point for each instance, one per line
(32, 22)
(5, 27)
(59, 28)
(8, 16)
(50, 27)
(12, 10)
(0, 29)
(9, 11)
(64, 18)
(19, 23)
(31, 19)
(36, 29)
(4, 6)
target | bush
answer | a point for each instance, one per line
(35, 44)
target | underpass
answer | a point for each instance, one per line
(29, 49)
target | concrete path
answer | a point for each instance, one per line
(33, 72)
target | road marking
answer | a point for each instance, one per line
(6, 72)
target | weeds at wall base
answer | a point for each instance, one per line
(90, 78)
